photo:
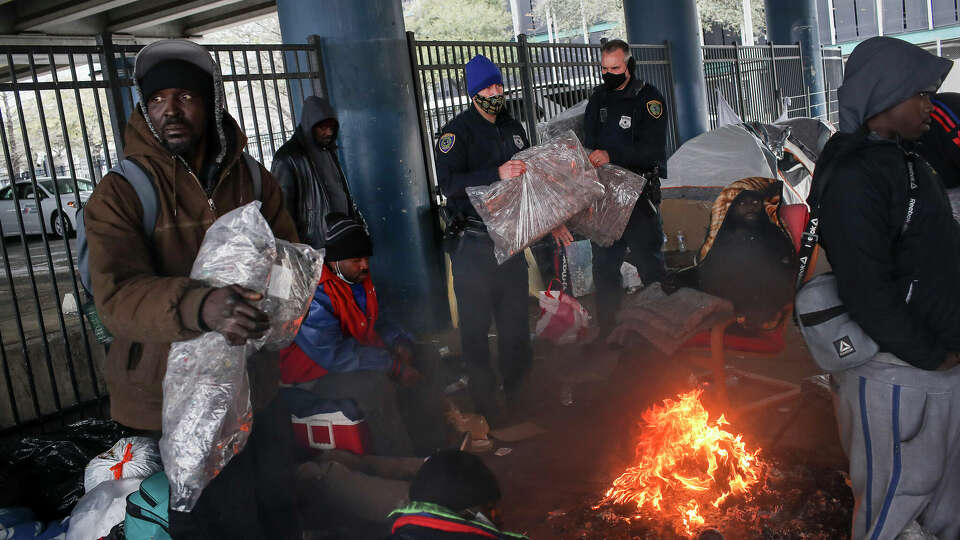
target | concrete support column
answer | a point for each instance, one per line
(370, 86)
(676, 22)
(795, 21)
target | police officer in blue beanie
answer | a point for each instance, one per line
(475, 149)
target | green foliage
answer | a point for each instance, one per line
(573, 15)
(728, 14)
(570, 15)
(458, 20)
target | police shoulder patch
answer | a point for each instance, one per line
(446, 142)
(655, 108)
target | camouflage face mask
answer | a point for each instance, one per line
(490, 105)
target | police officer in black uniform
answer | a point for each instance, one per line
(475, 149)
(625, 124)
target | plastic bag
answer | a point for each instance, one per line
(100, 509)
(606, 219)
(558, 183)
(580, 264)
(207, 415)
(568, 120)
(562, 319)
(45, 473)
(132, 457)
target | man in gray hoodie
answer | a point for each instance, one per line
(890, 237)
(309, 173)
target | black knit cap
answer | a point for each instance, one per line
(346, 238)
(455, 479)
(176, 74)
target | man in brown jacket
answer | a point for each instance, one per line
(186, 142)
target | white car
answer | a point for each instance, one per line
(48, 206)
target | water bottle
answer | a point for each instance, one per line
(681, 241)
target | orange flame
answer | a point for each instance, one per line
(686, 464)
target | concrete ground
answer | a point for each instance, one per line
(589, 442)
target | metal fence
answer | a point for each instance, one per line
(760, 82)
(62, 112)
(541, 80)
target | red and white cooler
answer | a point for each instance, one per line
(326, 424)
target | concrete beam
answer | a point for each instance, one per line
(180, 11)
(210, 24)
(67, 12)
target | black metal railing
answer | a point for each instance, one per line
(62, 114)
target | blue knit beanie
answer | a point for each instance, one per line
(481, 73)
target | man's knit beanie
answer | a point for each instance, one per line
(346, 238)
(177, 74)
(481, 73)
(456, 480)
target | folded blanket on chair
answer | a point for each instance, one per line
(666, 321)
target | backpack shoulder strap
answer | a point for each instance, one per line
(254, 167)
(146, 191)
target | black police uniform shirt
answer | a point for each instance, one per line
(630, 124)
(469, 152)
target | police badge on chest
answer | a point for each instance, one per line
(625, 122)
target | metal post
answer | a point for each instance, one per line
(776, 80)
(526, 82)
(806, 87)
(426, 141)
(674, 134)
(736, 74)
(315, 61)
(115, 104)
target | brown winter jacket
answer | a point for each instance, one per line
(143, 292)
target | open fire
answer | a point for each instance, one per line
(688, 466)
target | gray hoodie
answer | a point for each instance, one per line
(866, 91)
(316, 110)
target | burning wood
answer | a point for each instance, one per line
(687, 465)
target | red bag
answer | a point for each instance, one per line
(562, 319)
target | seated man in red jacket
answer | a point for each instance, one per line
(345, 348)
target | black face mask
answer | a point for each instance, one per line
(612, 81)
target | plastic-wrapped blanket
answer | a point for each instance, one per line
(130, 457)
(207, 416)
(606, 219)
(569, 120)
(559, 182)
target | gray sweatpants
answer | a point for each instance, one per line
(900, 428)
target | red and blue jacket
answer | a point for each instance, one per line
(321, 346)
(426, 521)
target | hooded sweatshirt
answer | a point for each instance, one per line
(310, 175)
(901, 286)
(144, 293)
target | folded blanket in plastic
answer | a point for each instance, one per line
(207, 415)
(605, 220)
(559, 182)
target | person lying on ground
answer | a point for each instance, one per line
(453, 496)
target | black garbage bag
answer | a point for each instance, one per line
(45, 472)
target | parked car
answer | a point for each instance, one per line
(59, 223)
